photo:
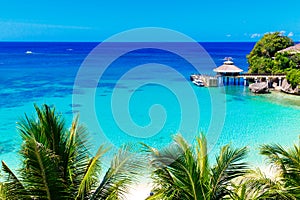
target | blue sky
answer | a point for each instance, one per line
(96, 20)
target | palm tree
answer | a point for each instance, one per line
(288, 164)
(255, 185)
(283, 184)
(183, 172)
(57, 163)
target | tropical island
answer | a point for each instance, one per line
(274, 62)
(277, 54)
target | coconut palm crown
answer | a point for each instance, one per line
(57, 164)
(182, 171)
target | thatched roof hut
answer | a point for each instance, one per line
(291, 50)
(228, 67)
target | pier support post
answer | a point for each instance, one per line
(227, 80)
(234, 81)
(245, 81)
(221, 81)
(279, 81)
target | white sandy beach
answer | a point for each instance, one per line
(140, 191)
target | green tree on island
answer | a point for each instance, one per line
(265, 58)
(261, 57)
(293, 76)
(57, 163)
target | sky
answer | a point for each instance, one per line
(97, 20)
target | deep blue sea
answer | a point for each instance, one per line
(144, 95)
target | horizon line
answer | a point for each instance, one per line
(125, 41)
(46, 41)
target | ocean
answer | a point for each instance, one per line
(144, 95)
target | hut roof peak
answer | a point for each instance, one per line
(228, 67)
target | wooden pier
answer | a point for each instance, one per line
(266, 77)
(225, 79)
(253, 76)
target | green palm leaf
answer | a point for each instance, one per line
(228, 167)
(288, 163)
(12, 187)
(92, 169)
(40, 173)
(253, 185)
(123, 171)
(48, 129)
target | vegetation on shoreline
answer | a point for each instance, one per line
(265, 58)
(57, 165)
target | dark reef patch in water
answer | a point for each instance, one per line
(7, 146)
(74, 105)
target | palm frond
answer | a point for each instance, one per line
(253, 185)
(89, 179)
(123, 171)
(202, 157)
(228, 166)
(76, 156)
(185, 170)
(288, 161)
(12, 186)
(48, 129)
(177, 171)
(3, 191)
(41, 175)
(163, 179)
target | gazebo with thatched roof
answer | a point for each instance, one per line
(229, 70)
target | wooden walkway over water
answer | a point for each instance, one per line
(256, 76)
(225, 79)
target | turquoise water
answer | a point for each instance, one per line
(250, 120)
(148, 105)
(270, 118)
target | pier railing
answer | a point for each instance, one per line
(248, 75)
(223, 79)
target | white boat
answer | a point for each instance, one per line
(199, 83)
(28, 52)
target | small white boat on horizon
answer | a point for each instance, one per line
(28, 52)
